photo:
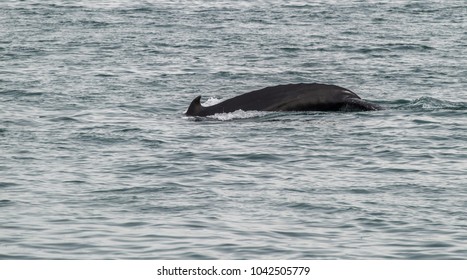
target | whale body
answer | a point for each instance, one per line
(291, 97)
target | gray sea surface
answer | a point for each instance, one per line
(98, 161)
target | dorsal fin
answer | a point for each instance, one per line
(195, 107)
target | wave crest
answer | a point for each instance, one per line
(430, 103)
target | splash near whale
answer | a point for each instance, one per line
(291, 97)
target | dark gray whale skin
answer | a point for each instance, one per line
(291, 97)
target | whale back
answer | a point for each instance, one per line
(291, 97)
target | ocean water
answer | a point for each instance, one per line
(98, 161)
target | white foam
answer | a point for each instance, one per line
(239, 114)
(211, 101)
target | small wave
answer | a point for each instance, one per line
(21, 93)
(430, 103)
(423, 103)
(5, 202)
(64, 119)
(410, 47)
(7, 184)
(93, 23)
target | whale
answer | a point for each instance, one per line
(289, 97)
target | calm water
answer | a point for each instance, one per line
(97, 160)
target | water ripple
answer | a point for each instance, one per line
(99, 162)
